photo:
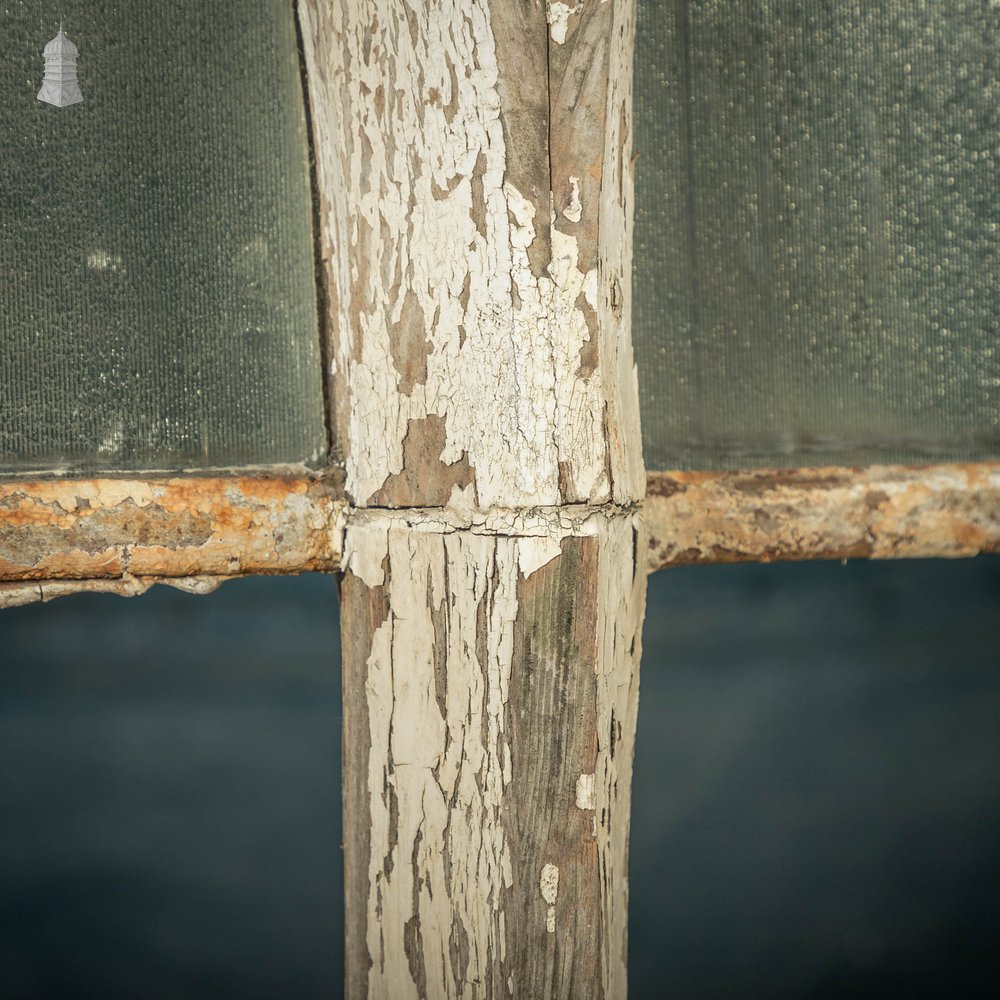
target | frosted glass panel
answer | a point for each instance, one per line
(157, 278)
(818, 228)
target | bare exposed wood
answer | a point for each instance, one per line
(485, 387)
(590, 99)
(480, 334)
(135, 529)
(880, 512)
(484, 383)
(490, 696)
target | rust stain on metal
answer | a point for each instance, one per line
(123, 535)
(184, 527)
(878, 512)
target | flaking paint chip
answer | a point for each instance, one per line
(585, 791)
(548, 883)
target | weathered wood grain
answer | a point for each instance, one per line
(486, 410)
(480, 340)
(590, 102)
(363, 611)
(486, 805)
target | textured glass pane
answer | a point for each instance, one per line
(157, 280)
(818, 199)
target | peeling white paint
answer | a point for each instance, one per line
(548, 883)
(423, 227)
(439, 851)
(366, 561)
(558, 16)
(414, 166)
(574, 210)
(547, 523)
(534, 553)
(440, 764)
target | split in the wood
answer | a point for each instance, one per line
(491, 683)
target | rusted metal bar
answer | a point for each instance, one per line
(878, 512)
(121, 536)
(122, 531)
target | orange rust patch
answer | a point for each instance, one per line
(881, 512)
(177, 527)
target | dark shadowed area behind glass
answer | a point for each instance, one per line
(816, 811)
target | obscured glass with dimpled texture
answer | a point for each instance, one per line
(817, 274)
(157, 275)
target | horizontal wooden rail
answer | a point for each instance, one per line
(877, 512)
(60, 536)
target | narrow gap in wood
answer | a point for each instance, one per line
(490, 692)
(319, 266)
(548, 123)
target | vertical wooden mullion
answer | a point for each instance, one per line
(358, 623)
(474, 182)
(491, 684)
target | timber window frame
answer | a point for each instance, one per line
(474, 200)
(124, 533)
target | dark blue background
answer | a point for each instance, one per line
(816, 806)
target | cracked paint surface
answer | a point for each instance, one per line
(443, 870)
(440, 761)
(415, 108)
(585, 791)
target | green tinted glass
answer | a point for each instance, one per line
(157, 276)
(818, 230)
